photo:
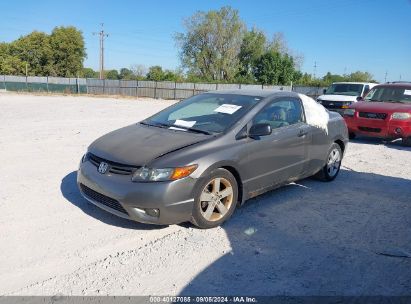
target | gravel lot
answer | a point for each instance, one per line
(309, 238)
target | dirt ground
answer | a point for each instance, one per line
(308, 238)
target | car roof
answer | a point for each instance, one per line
(256, 93)
(396, 84)
(352, 82)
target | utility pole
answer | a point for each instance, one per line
(315, 68)
(102, 35)
(386, 73)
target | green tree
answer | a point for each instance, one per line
(112, 74)
(4, 48)
(170, 75)
(361, 77)
(69, 51)
(330, 78)
(267, 68)
(89, 73)
(252, 48)
(274, 68)
(11, 65)
(35, 49)
(287, 70)
(60, 54)
(211, 44)
(126, 74)
(155, 73)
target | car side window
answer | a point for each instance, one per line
(366, 90)
(280, 113)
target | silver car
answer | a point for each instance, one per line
(200, 158)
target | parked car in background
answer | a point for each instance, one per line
(197, 159)
(385, 112)
(340, 95)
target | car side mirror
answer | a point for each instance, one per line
(257, 130)
(359, 98)
(324, 91)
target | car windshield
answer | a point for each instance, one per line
(351, 89)
(205, 113)
(389, 94)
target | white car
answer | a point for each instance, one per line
(340, 95)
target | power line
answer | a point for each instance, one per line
(102, 35)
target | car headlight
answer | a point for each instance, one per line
(400, 115)
(145, 174)
(84, 158)
(349, 112)
(346, 105)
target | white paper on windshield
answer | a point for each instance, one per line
(407, 92)
(184, 123)
(227, 108)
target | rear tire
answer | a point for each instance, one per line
(333, 164)
(216, 199)
(406, 141)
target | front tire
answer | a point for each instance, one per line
(332, 167)
(216, 199)
(351, 135)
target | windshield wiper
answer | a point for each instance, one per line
(146, 123)
(164, 125)
(156, 124)
(192, 129)
(198, 131)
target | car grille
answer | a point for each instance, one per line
(332, 104)
(102, 199)
(113, 167)
(373, 115)
(367, 129)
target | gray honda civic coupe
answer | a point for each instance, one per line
(200, 158)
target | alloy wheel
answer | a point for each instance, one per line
(216, 199)
(333, 162)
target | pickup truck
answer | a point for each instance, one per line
(340, 95)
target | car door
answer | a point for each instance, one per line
(280, 156)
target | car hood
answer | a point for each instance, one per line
(138, 145)
(338, 98)
(386, 107)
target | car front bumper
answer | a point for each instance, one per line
(118, 195)
(381, 128)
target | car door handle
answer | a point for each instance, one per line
(302, 133)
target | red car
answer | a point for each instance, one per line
(385, 112)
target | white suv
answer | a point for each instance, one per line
(340, 95)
